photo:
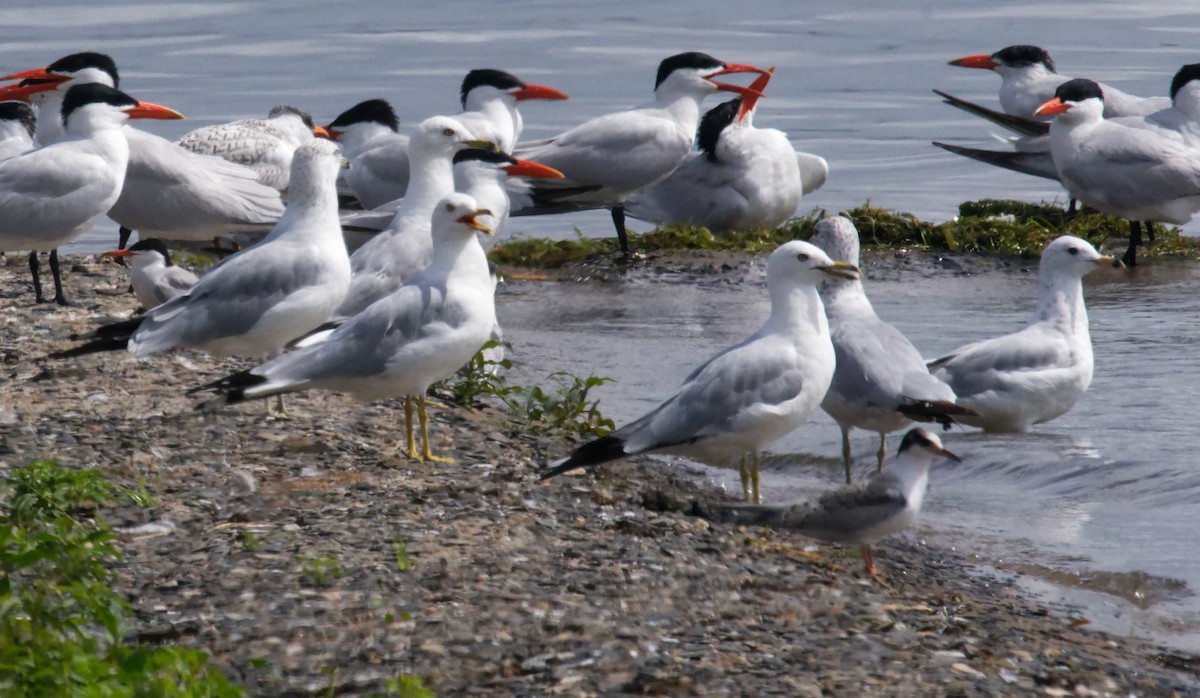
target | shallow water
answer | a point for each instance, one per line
(1106, 490)
(1111, 486)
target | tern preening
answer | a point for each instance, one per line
(860, 514)
(1032, 376)
(749, 395)
(400, 345)
(169, 192)
(154, 276)
(52, 194)
(742, 178)
(614, 155)
(880, 383)
(255, 301)
(17, 125)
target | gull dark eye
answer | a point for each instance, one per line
(447, 132)
(802, 257)
(449, 208)
(1072, 250)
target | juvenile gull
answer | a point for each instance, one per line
(864, 513)
(880, 383)
(752, 393)
(155, 278)
(402, 343)
(1032, 376)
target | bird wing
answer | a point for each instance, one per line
(877, 363)
(999, 363)
(1135, 167)
(53, 189)
(843, 515)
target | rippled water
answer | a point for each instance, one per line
(1112, 486)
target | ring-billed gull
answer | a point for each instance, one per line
(880, 383)
(402, 343)
(864, 513)
(1034, 375)
(748, 395)
(255, 301)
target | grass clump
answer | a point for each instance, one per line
(63, 629)
(320, 572)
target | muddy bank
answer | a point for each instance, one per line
(305, 551)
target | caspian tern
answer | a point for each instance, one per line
(17, 125)
(1032, 376)
(489, 100)
(861, 514)
(749, 395)
(880, 383)
(155, 278)
(51, 194)
(619, 153)
(1137, 174)
(400, 345)
(256, 300)
(378, 155)
(264, 145)
(742, 178)
(169, 192)
(388, 259)
(1028, 79)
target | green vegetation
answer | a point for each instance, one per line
(63, 630)
(985, 226)
(320, 572)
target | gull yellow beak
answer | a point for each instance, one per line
(483, 144)
(842, 270)
(469, 220)
(1110, 260)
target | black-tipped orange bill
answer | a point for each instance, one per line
(525, 168)
(1052, 106)
(748, 103)
(149, 110)
(979, 60)
(322, 132)
(737, 68)
(469, 219)
(119, 253)
(539, 92)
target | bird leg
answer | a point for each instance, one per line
(869, 560)
(846, 453)
(59, 296)
(755, 481)
(1149, 226)
(280, 410)
(618, 218)
(1135, 239)
(37, 281)
(882, 452)
(123, 234)
(744, 472)
(426, 453)
(408, 426)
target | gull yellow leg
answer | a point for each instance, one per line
(882, 451)
(754, 479)
(426, 453)
(744, 472)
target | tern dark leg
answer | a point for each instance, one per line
(123, 234)
(1073, 207)
(35, 272)
(1149, 226)
(1135, 239)
(59, 296)
(882, 452)
(618, 218)
(846, 453)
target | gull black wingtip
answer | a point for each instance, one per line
(602, 450)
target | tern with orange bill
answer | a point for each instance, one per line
(154, 276)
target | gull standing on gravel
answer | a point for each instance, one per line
(388, 259)
(401, 344)
(50, 195)
(864, 513)
(155, 278)
(749, 395)
(17, 125)
(264, 145)
(616, 154)
(742, 178)
(169, 192)
(255, 301)
(1032, 376)
(881, 383)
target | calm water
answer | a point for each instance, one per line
(1112, 486)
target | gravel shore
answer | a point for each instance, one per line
(305, 552)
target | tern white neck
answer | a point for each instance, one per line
(494, 117)
(912, 475)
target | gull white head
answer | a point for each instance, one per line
(443, 136)
(455, 219)
(838, 238)
(799, 263)
(1069, 256)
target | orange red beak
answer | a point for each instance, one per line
(525, 168)
(749, 102)
(32, 82)
(148, 110)
(1052, 106)
(539, 92)
(979, 60)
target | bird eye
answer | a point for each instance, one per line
(447, 132)
(802, 257)
(1072, 250)
(449, 208)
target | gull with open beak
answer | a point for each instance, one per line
(608, 158)
(400, 345)
(52, 194)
